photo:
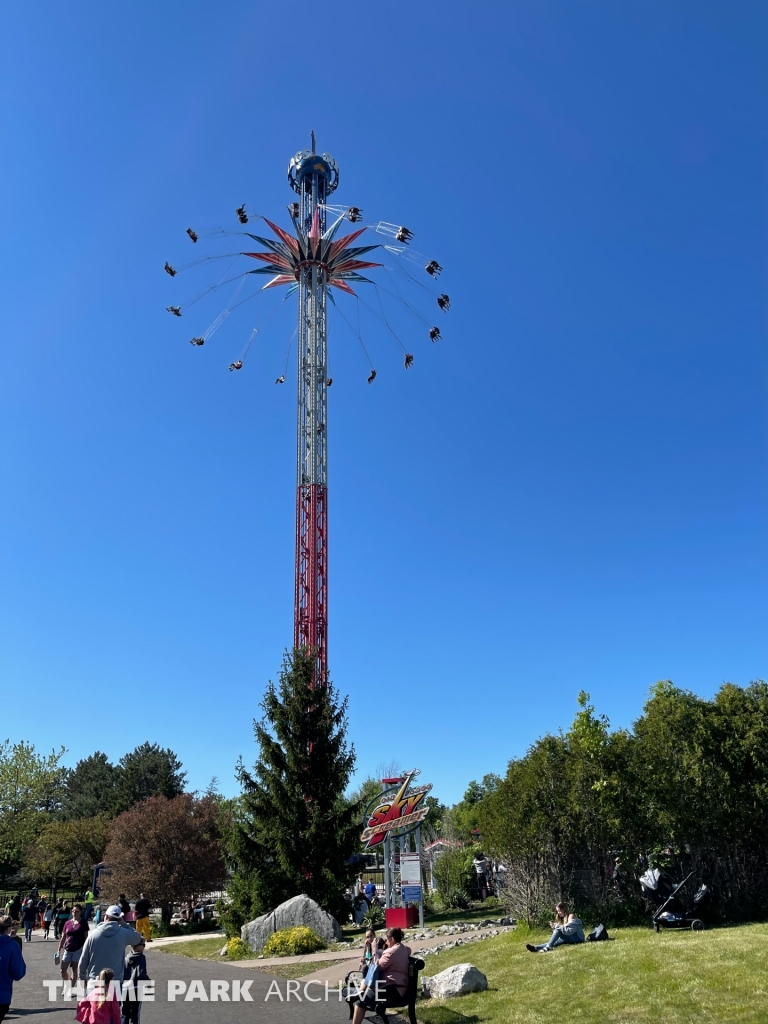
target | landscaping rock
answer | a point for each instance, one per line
(506, 921)
(455, 981)
(223, 951)
(299, 911)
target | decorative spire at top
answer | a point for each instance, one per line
(313, 142)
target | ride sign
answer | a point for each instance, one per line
(401, 809)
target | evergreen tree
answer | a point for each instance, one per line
(90, 788)
(292, 831)
(147, 771)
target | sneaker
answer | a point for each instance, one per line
(530, 948)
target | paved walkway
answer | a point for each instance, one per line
(30, 996)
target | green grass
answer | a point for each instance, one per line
(298, 970)
(197, 949)
(208, 949)
(671, 978)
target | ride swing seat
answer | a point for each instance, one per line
(393, 1001)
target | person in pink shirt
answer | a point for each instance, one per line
(101, 1005)
(393, 972)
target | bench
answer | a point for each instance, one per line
(393, 1000)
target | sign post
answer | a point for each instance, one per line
(389, 819)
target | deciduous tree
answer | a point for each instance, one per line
(166, 848)
(30, 789)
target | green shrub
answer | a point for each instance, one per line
(374, 917)
(238, 950)
(453, 871)
(455, 898)
(431, 904)
(293, 942)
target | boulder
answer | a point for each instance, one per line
(455, 981)
(300, 910)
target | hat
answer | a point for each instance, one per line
(114, 911)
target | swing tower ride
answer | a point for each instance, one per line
(316, 264)
(314, 178)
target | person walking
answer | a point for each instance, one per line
(12, 966)
(143, 926)
(14, 908)
(89, 898)
(42, 906)
(135, 974)
(73, 936)
(105, 947)
(47, 918)
(101, 1005)
(29, 917)
(62, 916)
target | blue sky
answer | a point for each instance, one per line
(567, 492)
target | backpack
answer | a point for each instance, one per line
(598, 934)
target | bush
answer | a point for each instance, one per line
(431, 904)
(293, 942)
(238, 950)
(453, 871)
(455, 898)
(374, 918)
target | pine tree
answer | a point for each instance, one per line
(292, 831)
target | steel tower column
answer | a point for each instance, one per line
(314, 178)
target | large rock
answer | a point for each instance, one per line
(455, 981)
(300, 910)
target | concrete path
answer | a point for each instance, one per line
(337, 971)
(297, 1006)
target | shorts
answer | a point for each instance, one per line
(70, 956)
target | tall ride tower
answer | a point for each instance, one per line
(314, 178)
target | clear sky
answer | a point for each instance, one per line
(567, 492)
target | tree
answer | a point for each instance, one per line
(30, 787)
(465, 816)
(91, 788)
(166, 848)
(292, 831)
(149, 771)
(66, 851)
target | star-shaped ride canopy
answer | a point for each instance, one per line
(287, 256)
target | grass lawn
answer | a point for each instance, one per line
(197, 949)
(298, 970)
(208, 949)
(674, 978)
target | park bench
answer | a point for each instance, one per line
(393, 1000)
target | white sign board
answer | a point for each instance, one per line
(410, 869)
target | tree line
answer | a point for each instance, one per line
(685, 789)
(578, 817)
(55, 821)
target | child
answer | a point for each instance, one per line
(101, 1005)
(135, 972)
(47, 918)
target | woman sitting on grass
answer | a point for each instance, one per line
(567, 930)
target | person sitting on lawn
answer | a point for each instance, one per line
(392, 972)
(567, 929)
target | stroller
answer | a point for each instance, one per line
(673, 909)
